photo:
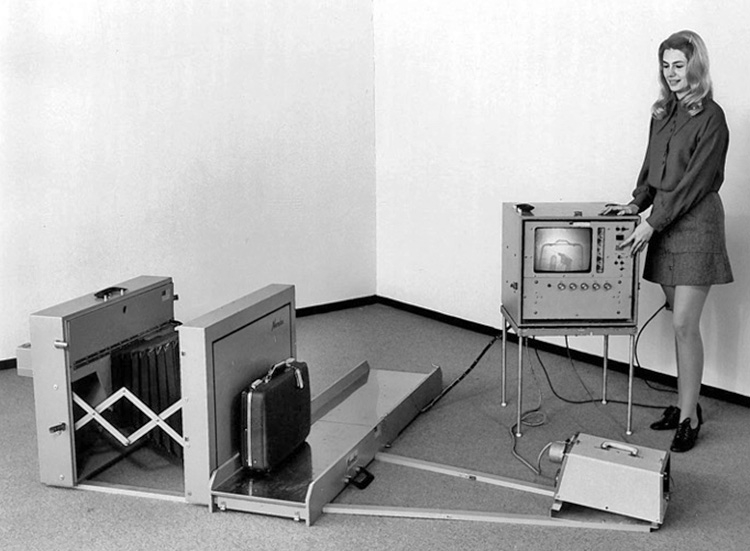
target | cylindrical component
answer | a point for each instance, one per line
(557, 451)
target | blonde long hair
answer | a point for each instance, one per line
(698, 77)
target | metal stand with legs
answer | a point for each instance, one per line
(523, 332)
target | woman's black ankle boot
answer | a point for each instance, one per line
(685, 437)
(670, 419)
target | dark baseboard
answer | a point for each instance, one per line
(8, 364)
(336, 306)
(445, 318)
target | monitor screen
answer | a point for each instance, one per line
(562, 249)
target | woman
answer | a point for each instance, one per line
(679, 180)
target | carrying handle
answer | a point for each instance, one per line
(632, 450)
(272, 372)
(280, 368)
(109, 292)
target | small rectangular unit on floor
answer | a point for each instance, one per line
(616, 477)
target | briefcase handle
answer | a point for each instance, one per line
(280, 367)
(632, 450)
(272, 372)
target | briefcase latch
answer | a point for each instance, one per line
(298, 376)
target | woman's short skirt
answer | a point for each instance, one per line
(692, 250)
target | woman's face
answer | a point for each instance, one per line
(674, 69)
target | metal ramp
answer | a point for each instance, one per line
(350, 427)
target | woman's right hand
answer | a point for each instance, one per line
(619, 210)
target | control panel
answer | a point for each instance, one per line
(604, 292)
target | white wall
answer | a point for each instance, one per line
(225, 144)
(484, 102)
(232, 144)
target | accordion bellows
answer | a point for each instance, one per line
(151, 371)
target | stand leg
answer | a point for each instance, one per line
(520, 384)
(604, 372)
(631, 370)
(503, 364)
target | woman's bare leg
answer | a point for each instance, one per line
(687, 304)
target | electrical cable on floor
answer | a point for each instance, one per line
(592, 399)
(447, 389)
(527, 420)
(531, 418)
(575, 369)
(534, 417)
(541, 454)
(552, 387)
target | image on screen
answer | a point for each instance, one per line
(562, 250)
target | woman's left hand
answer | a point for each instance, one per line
(638, 240)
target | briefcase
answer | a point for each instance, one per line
(275, 415)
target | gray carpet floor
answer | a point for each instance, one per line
(468, 429)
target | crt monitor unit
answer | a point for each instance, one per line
(562, 267)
